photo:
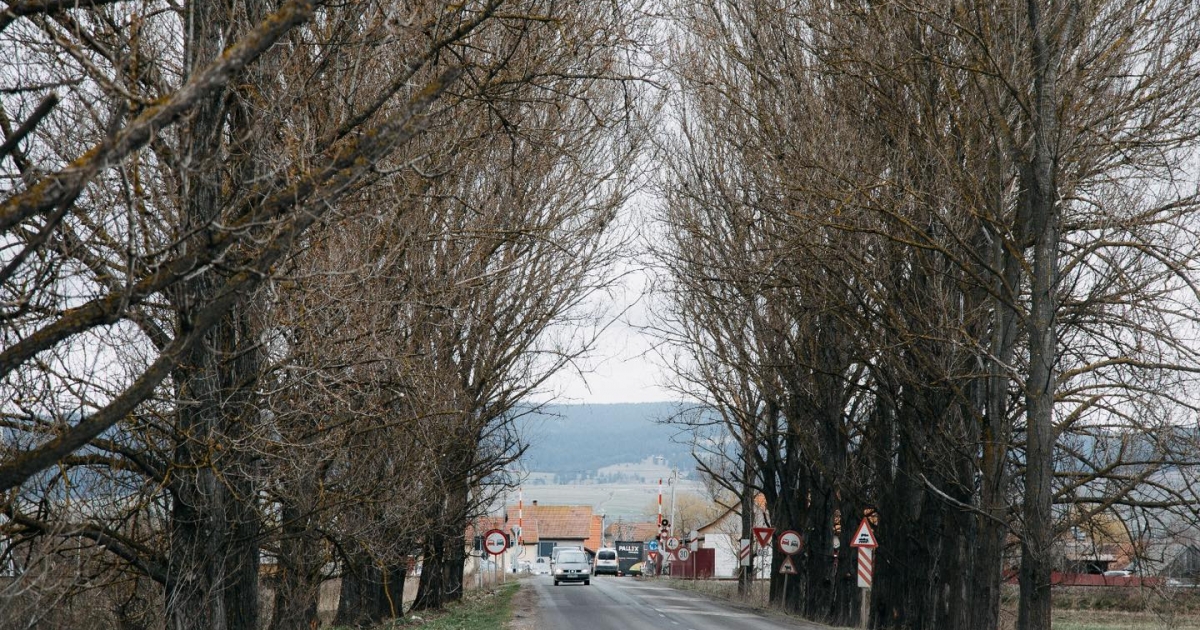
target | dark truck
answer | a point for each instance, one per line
(629, 553)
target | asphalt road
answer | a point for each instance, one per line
(624, 603)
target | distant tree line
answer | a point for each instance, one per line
(935, 263)
(276, 281)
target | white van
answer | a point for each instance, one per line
(560, 548)
(606, 562)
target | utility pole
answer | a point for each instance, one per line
(674, 482)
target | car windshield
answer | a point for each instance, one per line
(608, 555)
(571, 556)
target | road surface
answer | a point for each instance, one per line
(624, 603)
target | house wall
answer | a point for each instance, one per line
(725, 562)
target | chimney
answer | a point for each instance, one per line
(535, 503)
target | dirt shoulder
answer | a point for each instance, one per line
(524, 608)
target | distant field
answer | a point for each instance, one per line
(634, 502)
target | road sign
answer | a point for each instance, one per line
(495, 542)
(744, 553)
(652, 545)
(787, 567)
(672, 543)
(866, 566)
(789, 542)
(671, 557)
(763, 535)
(683, 554)
(863, 536)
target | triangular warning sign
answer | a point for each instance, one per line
(864, 537)
(762, 535)
(787, 568)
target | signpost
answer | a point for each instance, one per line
(762, 535)
(495, 542)
(789, 542)
(864, 539)
(744, 553)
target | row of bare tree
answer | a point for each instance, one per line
(936, 262)
(275, 280)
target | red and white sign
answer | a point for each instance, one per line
(495, 542)
(762, 535)
(744, 553)
(672, 543)
(866, 566)
(789, 542)
(787, 567)
(683, 554)
(864, 537)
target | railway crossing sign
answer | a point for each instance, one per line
(863, 536)
(866, 567)
(744, 553)
(495, 542)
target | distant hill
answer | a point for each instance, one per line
(577, 440)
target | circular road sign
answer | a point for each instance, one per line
(672, 543)
(789, 542)
(683, 554)
(495, 542)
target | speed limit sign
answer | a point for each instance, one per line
(495, 542)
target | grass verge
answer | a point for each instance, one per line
(479, 610)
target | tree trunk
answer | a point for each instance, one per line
(746, 573)
(370, 594)
(214, 521)
(298, 577)
(1040, 191)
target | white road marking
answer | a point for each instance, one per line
(708, 613)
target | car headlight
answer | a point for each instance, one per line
(558, 571)
(584, 571)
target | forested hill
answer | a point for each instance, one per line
(584, 438)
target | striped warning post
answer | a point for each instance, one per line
(866, 566)
(744, 553)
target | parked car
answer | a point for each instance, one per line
(606, 562)
(541, 566)
(572, 565)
